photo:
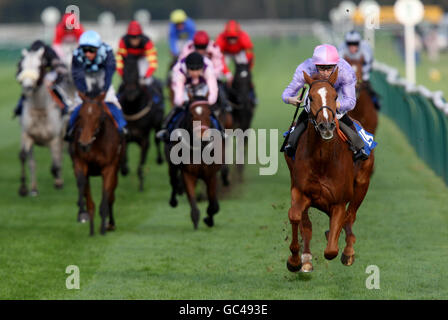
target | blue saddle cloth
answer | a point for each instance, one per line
(114, 110)
(369, 143)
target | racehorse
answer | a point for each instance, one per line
(324, 176)
(97, 149)
(41, 120)
(191, 172)
(141, 113)
(364, 110)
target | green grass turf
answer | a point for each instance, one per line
(155, 253)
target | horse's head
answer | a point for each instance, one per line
(131, 85)
(323, 97)
(32, 70)
(91, 117)
(357, 67)
(200, 111)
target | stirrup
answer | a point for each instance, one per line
(162, 135)
(360, 155)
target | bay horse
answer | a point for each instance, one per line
(141, 113)
(364, 111)
(324, 176)
(190, 171)
(96, 150)
(41, 120)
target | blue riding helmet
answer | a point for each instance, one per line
(90, 38)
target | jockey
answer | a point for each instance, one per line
(66, 32)
(355, 48)
(181, 30)
(325, 59)
(93, 66)
(192, 70)
(235, 43)
(55, 72)
(137, 44)
(202, 44)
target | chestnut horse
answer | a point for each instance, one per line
(364, 110)
(97, 149)
(191, 172)
(323, 176)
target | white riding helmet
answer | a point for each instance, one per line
(353, 37)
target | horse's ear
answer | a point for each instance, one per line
(82, 96)
(101, 96)
(334, 76)
(307, 78)
(24, 52)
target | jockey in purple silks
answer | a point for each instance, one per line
(324, 61)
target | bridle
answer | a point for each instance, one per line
(102, 106)
(313, 117)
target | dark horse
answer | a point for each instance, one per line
(364, 111)
(239, 94)
(96, 149)
(141, 114)
(324, 176)
(193, 170)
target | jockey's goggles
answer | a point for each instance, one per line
(89, 49)
(353, 43)
(232, 38)
(200, 46)
(195, 67)
(325, 67)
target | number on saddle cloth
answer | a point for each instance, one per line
(367, 138)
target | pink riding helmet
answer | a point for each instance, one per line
(325, 54)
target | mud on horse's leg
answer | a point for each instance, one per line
(299, 204)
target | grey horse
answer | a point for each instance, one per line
(41, 121)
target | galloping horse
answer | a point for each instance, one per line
(141, 114)
(364, 110)
(324, 176)
(191, 172)
(243, 107)
(96, 149)
(41, 120)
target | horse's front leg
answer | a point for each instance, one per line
(213, 205)
(32, 164)
(110, 181)
(306, 232)
(56, 166)
(299, 204)
(23, 155)
(174, 182)
(190, 185)
(144, 146)
(337, 219)
(81, 181)
(124, 169)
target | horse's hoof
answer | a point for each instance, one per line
(347, 260)
(330, 255)
(83, 217)
(173, 203)
(23, 191)
(209, 221)
(292, 267)
(307, 267)
(34, 193)
(110, 227)
(58, 186)
(124, 171)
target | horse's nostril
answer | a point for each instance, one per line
(332, 126)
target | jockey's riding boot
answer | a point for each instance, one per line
(69, 134)
(19, 107)
(355, 141)
(164, 134)
(292, 138)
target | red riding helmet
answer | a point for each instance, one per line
(201, 38)
(134, 28)
(232, 29)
